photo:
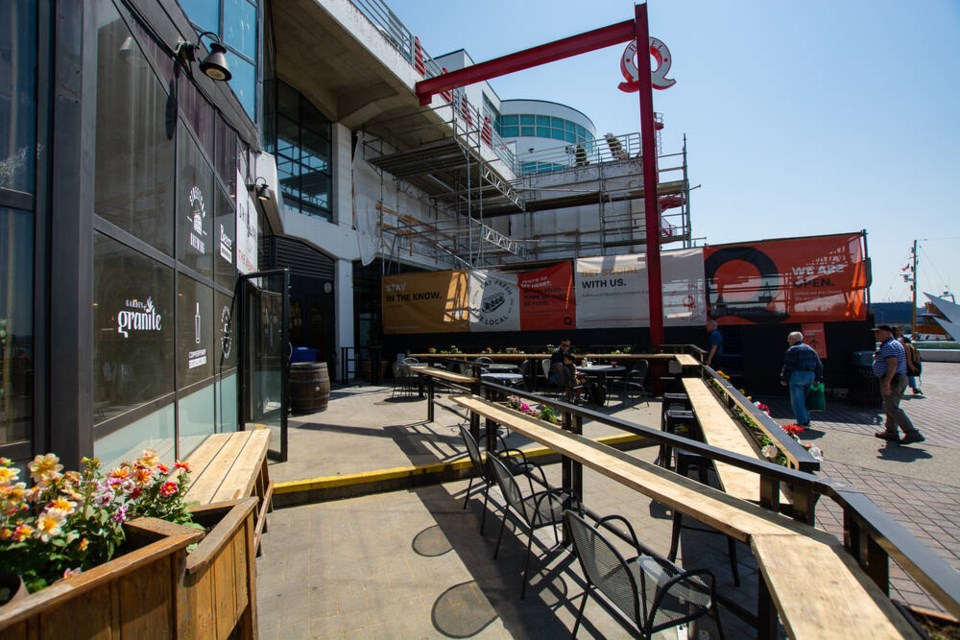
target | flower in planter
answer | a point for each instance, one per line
(769, 452)
(793, 429)
(71, 521)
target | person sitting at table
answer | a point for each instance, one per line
(567, 377)
(556, 358)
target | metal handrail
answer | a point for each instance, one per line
(871, 535)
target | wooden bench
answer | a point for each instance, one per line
(837, 600)
(228, 466)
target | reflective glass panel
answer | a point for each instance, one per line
(155, 431)
(225, 240)
(135, 133)
(244, 83)
(195, 208)
(16, 325)
(18, 88)
(195, 331)
(203, 13)
(527, 119)
(240, 27)
(133, 328)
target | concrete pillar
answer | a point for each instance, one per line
(342, 158)
(343, 289)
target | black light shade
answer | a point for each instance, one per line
(264, 193)
(215, 64)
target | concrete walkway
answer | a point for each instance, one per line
(412, 564)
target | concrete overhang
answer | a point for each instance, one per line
(348, 68)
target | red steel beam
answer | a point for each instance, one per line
(529, 58)
(651, 204)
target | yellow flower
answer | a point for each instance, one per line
(150, 459)
(8, 475)
(142, 476)
(22, 532)
(49, 524)
(64, 505)
(45, 467)
(84, 543)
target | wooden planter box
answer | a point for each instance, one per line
(156, 589)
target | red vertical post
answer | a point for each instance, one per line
(651, 205)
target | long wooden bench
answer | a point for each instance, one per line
(836, 600)
(722, 431)
(228, 466)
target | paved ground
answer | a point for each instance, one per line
(412, 564)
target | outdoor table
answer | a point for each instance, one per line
(601, 371)
(504, 378)
(502, 367)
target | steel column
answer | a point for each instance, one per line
(651, 203)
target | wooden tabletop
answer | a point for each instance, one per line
(442, 374)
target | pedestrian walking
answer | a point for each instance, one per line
(801, 369)
(890, 367)
(714, 357)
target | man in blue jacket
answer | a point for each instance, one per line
(801, 369)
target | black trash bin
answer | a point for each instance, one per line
(864, 386)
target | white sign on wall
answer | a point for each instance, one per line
(494, 301)
(247, 229)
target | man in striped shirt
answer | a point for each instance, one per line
(890, 366)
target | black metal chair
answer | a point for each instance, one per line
(482, 472)
(405, 381)
(535, 509)
(634, 383)
(647, 590)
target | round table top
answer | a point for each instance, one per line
(500, 375)
(602, 368)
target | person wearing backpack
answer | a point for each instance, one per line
(914, 365)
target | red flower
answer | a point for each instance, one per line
(183, 466)
(164, 469)
(168, 488)
(793, 429)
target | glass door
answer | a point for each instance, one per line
(265, 309)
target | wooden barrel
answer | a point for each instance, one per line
(309, 387)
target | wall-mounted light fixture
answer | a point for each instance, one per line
(262, 190)
(214, 65)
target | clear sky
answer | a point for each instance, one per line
(805, 118)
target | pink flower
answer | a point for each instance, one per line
(168, 488)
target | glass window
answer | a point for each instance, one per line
(225, 315)
(227, 416)
(244, 83)
(303, 154)
(557, 134)
(195, 327)
(543, 121)
(156, 431)
(509, 120)
(196, 416)
(203, 13)
(527, 131)
(16, 325)
(527, 119)
(195, 208)
(570, 136)
(18, 91)
(135, 150)
(226, 156)
(133, 328)
(240, 27)
(570, 126)
(543, 132)
(510, 132)
(556, 123)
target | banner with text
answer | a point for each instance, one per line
(494, 301)
(817, 279)
(546, 298)
(428, 302)
(612, 291)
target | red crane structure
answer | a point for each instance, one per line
(565, 48)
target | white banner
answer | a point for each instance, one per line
(247, 228)
(612, 291)
(494, 301)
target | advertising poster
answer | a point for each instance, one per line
(429, 302)
(684, 300)
(547, 298)
(814, 336)
(612, 292)
(494, 301)
(817, 279)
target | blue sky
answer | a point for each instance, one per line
(801, 118)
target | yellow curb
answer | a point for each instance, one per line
(367, 477)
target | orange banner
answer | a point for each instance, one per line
(813, 335)
(816, 279)
(428, 302)
(546, 298)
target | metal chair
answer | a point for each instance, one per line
(481, 471)
(535, 509)
(647, 590)
(634, 383)
(405, 381)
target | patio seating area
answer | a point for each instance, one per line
(433, 572)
